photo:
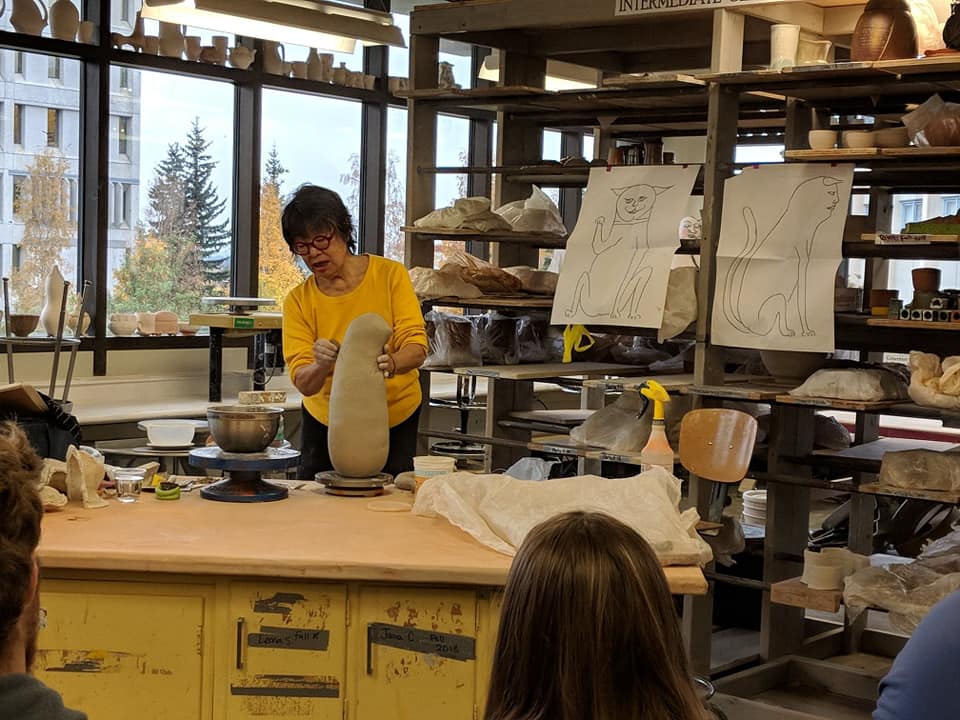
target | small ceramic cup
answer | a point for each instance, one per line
(858, 139)
(822, 139)
(151, 45)
(88, 32)
(193, 45)
(221, 43)
(299, 69)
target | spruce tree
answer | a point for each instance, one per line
(274, 170)
(204, 208)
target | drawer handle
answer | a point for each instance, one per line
(241, 623)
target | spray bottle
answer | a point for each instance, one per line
(657, 451)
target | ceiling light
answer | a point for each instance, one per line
(311, 23)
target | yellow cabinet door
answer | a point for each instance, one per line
(289, 650)
(491, 601)
(124, 649)
(419, 662)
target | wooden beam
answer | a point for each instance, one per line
(727, 48)
(839, 22)
(422, 147)
(672, 32)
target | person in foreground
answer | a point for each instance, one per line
(316, 314)
(21, 696)
(588, 630)
(922, 684)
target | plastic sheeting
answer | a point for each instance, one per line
(498, 511)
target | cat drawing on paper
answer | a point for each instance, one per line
(628, 235)
(757, 301)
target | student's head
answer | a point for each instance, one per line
(588, 629)
(315, 211)
(20, 513)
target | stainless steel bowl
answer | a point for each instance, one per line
(244, 428)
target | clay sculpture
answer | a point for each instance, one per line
(359, 424)
(84, 475)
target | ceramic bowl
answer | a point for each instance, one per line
(244, 428)
(123, 327)
(792, 367)
(147, 323)
(169, 433)
(895, 137)
(822, 139)
(22, 325)
(166, 323)
(859, 139)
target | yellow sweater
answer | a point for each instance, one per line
(309, 315)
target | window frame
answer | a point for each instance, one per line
(19, 116)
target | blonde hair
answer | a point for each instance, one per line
(588, 630)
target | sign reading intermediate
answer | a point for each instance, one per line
(639, 7)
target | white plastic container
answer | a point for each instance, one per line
(169, 433)
(428, 466)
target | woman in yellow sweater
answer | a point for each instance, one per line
(344, 285)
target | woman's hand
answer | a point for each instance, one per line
(325, 353)
(387, 363)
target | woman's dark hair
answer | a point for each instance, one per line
(313, 210)
(588, 629)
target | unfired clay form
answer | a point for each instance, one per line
(359, 424)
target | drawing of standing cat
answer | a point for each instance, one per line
(628, 231)
(756, 300)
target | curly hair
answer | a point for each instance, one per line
(20, 514)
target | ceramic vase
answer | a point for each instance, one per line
(314, 66)
(193, 45)
(273, 57)
(64, 20)
(52, 301)
(885, 31)
(87, 32)
(784, 42)
(28, 16)
(171, 39)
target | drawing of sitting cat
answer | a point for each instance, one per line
(628, 233)
(755, 300)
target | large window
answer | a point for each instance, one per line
(171, 192)
(395, 205)
(305, 140)
(453, 140)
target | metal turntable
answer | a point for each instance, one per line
(336, 484)
(243, 481)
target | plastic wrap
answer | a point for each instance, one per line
(498, 338)
(499, 511)
(935, 384)
(537, 213)
(934, 124)
(532, 338)
(908, 591)
(488, 278)
(430, 284)
(621, 427)
(471, 213)
(636, 350)
(921, 470)
(866, 385)
(453, 341)
(538, 282)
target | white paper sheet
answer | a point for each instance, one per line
(618, 257)
(779, 250)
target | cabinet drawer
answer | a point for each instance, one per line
(420, 655)
(289, 650)
(123, 649)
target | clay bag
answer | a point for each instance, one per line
(359, 435)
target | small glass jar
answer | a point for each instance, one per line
(129, 484)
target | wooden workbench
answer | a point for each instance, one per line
(310, 535)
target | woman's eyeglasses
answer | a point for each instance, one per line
(318, 242)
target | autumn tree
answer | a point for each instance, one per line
(42, 202)
(279, 270)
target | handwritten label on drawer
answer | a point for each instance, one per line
(290, 638)
(428, 642)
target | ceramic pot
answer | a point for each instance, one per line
(369, 82)
(926, 280)
(222, 44)
(273, 57)
(28, 16)
(790, 366)
(784, 42)
(339, 75)
(166, 323)
(822, 139)
(64, 20)
(53, 300)
(858, 139)
(885, 31)
(147, 323)
(326, 66)
(951, 28)
(880, 301)
(314, 66)
(171, 39)
(210, 54)
(71, 321)
(813, 52)
(87, 32)
(22, 325)
(193, 46)
(242, 57)
(299, 69)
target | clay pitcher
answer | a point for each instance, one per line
(171, 39)
(273, 57)
(52, 301)
(29, 16)
(64, 20)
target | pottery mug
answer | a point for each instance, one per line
(88, 32)
(299, 69)
(151, 45)
(221, 43)
(784, 41)
(193, 45)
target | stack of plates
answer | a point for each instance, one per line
(755, 508)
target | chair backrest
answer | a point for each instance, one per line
(717, 444)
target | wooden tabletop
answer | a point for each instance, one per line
(309, 535)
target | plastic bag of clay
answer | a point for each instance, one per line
(899, 593)
(636, 350)
(498, 339)
(430, 284)
(921, 470)
(531, 468)
(931, 384)
(488, 278)
(934, 124)
(532, 338)
(537, 282)
(680, 308)
(866, 385)
(453, 342)
(537, 213)
(624, 425)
